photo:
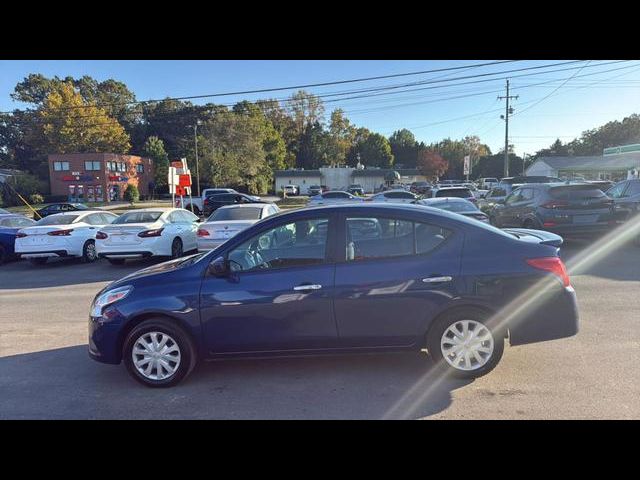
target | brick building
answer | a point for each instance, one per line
(98, 177)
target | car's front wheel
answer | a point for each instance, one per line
(158, 353)
(463, 343)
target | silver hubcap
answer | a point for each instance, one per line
(91, 251)
(467, 345)
(156, 355)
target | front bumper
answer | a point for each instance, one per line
(104, 340)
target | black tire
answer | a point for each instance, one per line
(188, 353)
(440, 326)
(196, 210)
(116, 261)
(89, 253)
(177, 249)
(38, 260)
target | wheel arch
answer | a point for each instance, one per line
(138, 319)
(461, 307)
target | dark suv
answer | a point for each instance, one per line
(566, 209)
(213, 202)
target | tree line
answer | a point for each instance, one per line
(239, 145)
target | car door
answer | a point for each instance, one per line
(625, 196)
(186, 223)
(278, 293)
(395, 274)
(524, 208)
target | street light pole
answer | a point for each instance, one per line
(195, 135)
(524, 158)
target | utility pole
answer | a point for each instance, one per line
(508, 111)
(195, 136)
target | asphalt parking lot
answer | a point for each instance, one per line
(45, 372)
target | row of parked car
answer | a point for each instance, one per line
(92, 234)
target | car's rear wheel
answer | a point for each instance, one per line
(464, 344)
(38, 260)
(89, 253)
(116, 261)
(176, 248)
(158, 353)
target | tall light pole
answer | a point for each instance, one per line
(195, 136)
(524, 159)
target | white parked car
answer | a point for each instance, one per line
(332, 198)
(148, 232)
(230, 220)
(70, 234)
(291, 189)
(394, 196)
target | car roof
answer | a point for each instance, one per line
(401, 190)
(453, 188)
(157, 209)
(444, 199)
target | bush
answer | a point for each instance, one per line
(36, 199)
(131, 194)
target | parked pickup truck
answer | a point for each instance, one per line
(198, 202)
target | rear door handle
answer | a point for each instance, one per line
(437, 279)
(307, 287)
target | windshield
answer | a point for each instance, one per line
(454, 192)
(138, 217)
(243, 213)
(57, 220)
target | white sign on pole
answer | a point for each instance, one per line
(467, 161)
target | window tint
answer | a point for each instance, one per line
(575, 192)
(335, 195)
(93, 219)
(57, 220)
(224, 214)
(138, 217)
(617, 190)
(375, 237)
(428, 237)
(455, 192)
(290, 245)
(399, 195)
(107, 219)
(634, 189)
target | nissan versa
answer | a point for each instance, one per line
(332, 279)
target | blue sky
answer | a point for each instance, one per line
(580, 99)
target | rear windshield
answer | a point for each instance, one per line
(454, 206)
(57, 220)
(576, 192)
(454, 192)
(137, 217)
(225, 214)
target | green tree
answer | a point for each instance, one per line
(131, 193)
(340, 139)
(404, 148)
(375, 151)
(154, 149)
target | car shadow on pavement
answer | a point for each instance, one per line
(62, 272)
(65, 384)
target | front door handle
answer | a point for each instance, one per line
(307, 287)
(437, 279)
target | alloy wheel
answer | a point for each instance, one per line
(467, 345)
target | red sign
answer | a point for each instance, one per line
(185, 180)
(180, 191)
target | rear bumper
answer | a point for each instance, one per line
(555, 317)
(575, 230)
(206, 245)
(132, 254)
(44, 254)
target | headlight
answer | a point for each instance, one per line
(109, 297)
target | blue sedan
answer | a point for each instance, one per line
(9, 226)
(340, 279)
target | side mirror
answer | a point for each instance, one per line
(219, 267)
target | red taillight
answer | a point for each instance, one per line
(555, 204)
(553, 265)
(101, 235)
(202, 232)
(205, 201)
(60, 233)
(156, 232)
(549, 224)
(21, 235)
